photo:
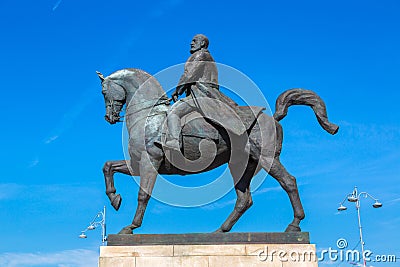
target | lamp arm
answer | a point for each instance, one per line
(97, 216)
(367, 195)
(341, 203)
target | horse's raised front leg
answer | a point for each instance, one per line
(242, 188)
(109, 169)
(288, 183)
(148, 168)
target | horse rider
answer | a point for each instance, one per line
(200, 83)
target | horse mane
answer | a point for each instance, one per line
(128, 71)
(139, 77)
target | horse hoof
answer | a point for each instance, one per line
(221, 230)
(116, 202)
(292, 228)
(126, 231)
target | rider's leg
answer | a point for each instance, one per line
(177, 111)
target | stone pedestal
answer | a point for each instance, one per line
(245, 249)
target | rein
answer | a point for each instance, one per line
(153, 103)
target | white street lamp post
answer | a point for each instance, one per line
(356, 197)
(95, 223)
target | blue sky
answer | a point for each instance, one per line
(55, 140)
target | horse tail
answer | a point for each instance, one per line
(304, 97)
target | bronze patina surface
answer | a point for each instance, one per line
(245, 138)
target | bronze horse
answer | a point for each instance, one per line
(147, 106)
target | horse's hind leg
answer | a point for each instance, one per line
(244, 200)
(109, 169)
(288, 183)
(148, 168)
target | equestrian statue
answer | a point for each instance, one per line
(200, 132)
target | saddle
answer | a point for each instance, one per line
(194, 124)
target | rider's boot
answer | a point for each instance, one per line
(174, 129)
(173, 144)
(172, 139)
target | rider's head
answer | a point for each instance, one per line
(199, 41)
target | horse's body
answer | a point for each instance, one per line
(147, 107)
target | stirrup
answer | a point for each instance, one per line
(159, 144)
(172, 144)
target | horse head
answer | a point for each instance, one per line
(114, 98)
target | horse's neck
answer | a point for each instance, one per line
(142, 88)
(144, 97)
(143, 112)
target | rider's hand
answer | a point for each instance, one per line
(180, 89)
(175, 96)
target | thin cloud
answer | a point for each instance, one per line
(393, 223)
(71, 116)
(70, 258)
(164, 7)
(219, 205)
(56, 5)
(393, 201)
(33, 163)
(10, 191)
(363, 139)
(57, 193)
(160, 208)
(51, 139)
(267, 190)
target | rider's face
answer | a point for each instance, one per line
(195, 45)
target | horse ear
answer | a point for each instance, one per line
(101, 76)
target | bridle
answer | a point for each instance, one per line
(111, 107)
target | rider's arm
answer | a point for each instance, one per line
(178, 91)
(194, 70)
